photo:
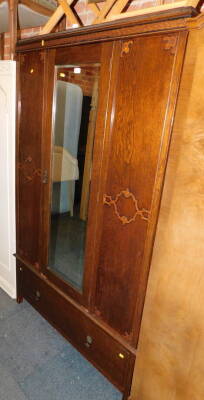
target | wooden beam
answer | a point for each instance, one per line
(69, 13)
(149, 10)
(195, 3)
(104, 11)
(95, 1)
(94, 8)
(36, 7)
(55, 18)
(118, 7)
(13, 12)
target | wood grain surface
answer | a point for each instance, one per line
(170, 361)
(169, 20)
(135, 151)
(29, 168)
(139, 83)
(96, 344)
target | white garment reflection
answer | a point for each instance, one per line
(65, 168)
(69, 99)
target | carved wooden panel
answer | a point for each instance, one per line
(142, 105)
(29, 156)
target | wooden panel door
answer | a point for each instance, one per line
(145, 79)
(81, 56)
(29, 169)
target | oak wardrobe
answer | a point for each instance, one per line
(96, 108)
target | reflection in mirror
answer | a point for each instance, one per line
(76, 96)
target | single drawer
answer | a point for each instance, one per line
(98, 346)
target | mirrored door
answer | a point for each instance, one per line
(75, 109)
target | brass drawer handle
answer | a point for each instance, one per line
(89, 341)
(37, 295)
(45, 176)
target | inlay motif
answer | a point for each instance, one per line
(28, 169)
(126, 194)
(126, 47)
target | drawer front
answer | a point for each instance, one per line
(100, 348)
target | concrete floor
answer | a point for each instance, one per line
(36, 363)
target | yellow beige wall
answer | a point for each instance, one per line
(170, 361)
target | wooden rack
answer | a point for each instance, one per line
(111, 10)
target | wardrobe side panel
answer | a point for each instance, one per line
(170, 362)
(29, 156)
(146, 79)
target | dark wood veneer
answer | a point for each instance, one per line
(141, 63)
(104, 351)
(155, 22)
(132, 152)
(29, 167)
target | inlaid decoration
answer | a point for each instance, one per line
(170, 43)
(126, 47)
(126, 194)
(28, 170)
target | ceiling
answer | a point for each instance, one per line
(31, 13)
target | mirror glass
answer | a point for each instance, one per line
(75, 109)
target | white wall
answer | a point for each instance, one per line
(7, 176)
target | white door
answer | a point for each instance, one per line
(7, 176)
